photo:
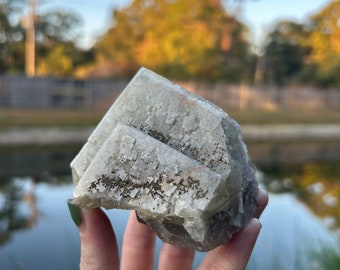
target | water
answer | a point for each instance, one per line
(300, 225)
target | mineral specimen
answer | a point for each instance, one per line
(175, 158)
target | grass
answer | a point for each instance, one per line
(49, 118)
(328, 258)
(82, 118)
(285, 117)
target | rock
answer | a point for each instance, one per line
(175, 158)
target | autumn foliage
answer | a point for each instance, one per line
(305, 53)
(183, 40)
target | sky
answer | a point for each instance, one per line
(259, 15)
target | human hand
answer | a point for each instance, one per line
(99, 249)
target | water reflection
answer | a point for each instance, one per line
(316, 184)
(19, 203)
(14, 198)
(291, 237)
(37, 162)
(35, 229)
(304, 178)
(310, 171)
(295, 173)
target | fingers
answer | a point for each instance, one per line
(98, 242)
(262, 201)
(178, 258)
(138, 245)
(138, 250)
(235, 254)
(99, 247)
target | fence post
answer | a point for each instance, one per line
(244, 96)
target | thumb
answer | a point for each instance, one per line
(99, 248)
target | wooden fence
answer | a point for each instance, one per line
(41, 93)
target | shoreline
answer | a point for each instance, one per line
(38, 136)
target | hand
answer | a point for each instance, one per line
(99, 249)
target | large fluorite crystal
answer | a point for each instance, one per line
(175, 158)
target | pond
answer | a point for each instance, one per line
(300, 225)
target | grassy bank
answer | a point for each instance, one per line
(285, 117)
(82, 118)
(49, 118)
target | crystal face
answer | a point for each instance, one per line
(175, 158)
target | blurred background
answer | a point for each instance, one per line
(272, 65)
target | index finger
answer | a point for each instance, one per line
(138, 245)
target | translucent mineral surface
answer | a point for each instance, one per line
(175, 158)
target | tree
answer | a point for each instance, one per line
(286, 51)
(12, 49)
(56, 62)
(56, 36)
(325, 42)
(306, 53)
(180, 39)
(56, 26)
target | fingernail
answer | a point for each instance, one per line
(75, 212)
